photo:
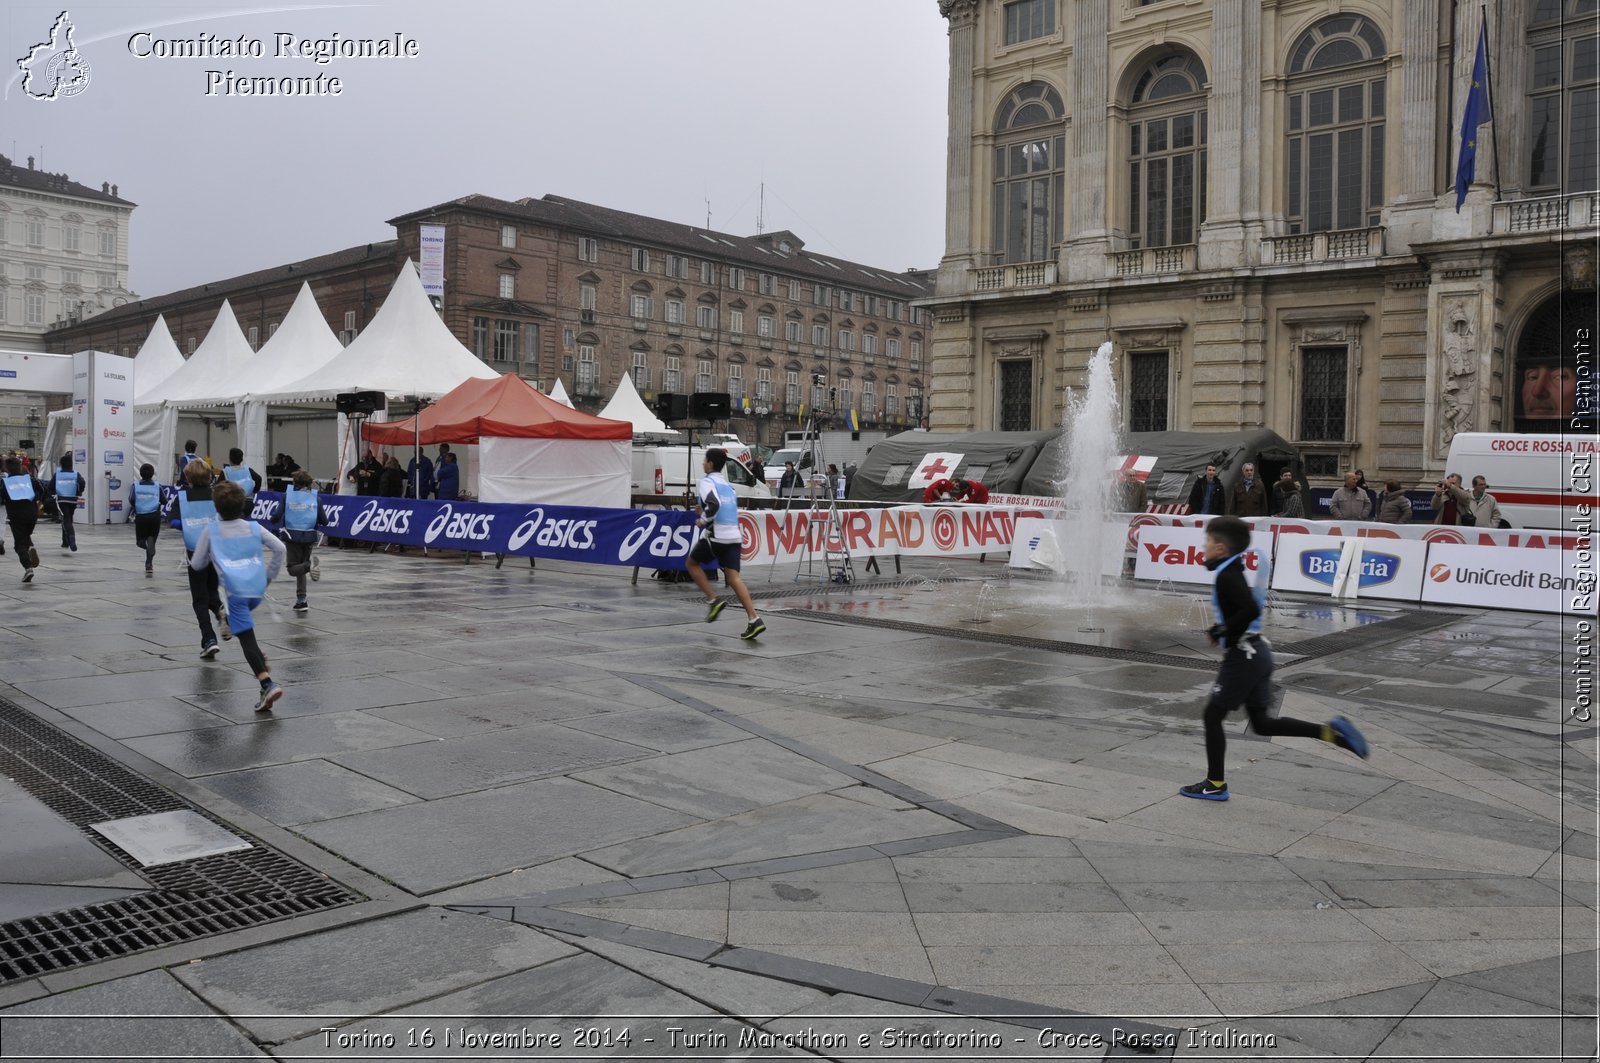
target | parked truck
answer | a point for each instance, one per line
(834, 447)
(669, 472)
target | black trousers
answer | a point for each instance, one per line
(22, 535)
(206, 600)
(1245, 678)
(69, 532)
(146, 529)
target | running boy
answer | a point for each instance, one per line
(69, 488)
(146, 501)
(302, 516)
(193, 512)
(21, 493)
(1246, 673)
(237, 472)
(719, 516)
(233, 546)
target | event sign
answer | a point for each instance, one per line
(1388, 568)
(1177, 555)
(102, 433)
(431, 258)
(1539, 580)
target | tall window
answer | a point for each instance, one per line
(1322, 393)
(480, 337)
(1027, 19)
(705, 317)
(705, 379)
(35, 227)
(72, 238)
(639, 306)
(505, 341)
(1167, 152)
(819, 335)
(586, 297)
(736, 322)
(1016, 396)
(1337, 100)
(108, 242)
(508, 236)
(588, 377)
(639, 259)
(1564, 98)
(791, 331)
(791, 388)
(33, 313)
(1029, 173)
(736, 278)
(845, 399)
(530, 346)
(764, 326)
(763, 384)
(869, 400)
(735, 381)
(891, 400)
(1147, 391)
(673, 376)
(641, 371)
(675, 266)
(508, 285)
(588, 249)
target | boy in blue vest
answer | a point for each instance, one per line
(146, 502)
(233, 547)
(21, 493)
(1245, 677)
(237, 472)
(719, 517)
(193, 511)
(69, 489)
(302, 516)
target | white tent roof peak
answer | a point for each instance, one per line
(214, 369)
(302, 344)
(158, 359)
(559, 393)
(405, 350)
(626, 405)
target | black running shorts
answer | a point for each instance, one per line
(724, 554)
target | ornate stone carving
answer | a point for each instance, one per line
(1322, 334)
(1458, 396)
(959, 10)
(1577, 268)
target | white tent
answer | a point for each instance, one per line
(626, 405)
(559, 393)
(212, 370)
(406, 352)
(157, 362)
(302, 344)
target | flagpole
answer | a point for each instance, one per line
(1488, 85)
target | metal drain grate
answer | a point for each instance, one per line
(194, 899)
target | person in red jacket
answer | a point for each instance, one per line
(956, 490)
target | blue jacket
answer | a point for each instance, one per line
(449, 481)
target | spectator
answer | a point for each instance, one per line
(1249, 494)
(1451, 505)
(392, 481)
(449, 474)
(1372, 495)
(758, 469)
(1349, 502)
(366, 473)
(790, 482)
(1208, 495)
(1483, 506)
(1130, 497)
(1393, 505)
(419, 476)
(835, 482)
(1286, 495)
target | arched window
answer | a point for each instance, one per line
(1029, 173)
(1337, 101)
(1564, 97)
(1167, 152)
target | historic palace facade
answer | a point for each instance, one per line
(1254, 201)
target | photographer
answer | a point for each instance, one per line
(1452, 505)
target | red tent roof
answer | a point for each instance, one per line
(506, 407)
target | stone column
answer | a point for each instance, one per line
(963, 18)
(1084, 258)
(1413, 128)
(1235, 120)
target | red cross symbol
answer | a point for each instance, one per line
(936, 470)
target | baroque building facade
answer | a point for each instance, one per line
(1254, 202)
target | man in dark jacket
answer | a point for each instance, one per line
(1249, 494)
(419, 477)
(21, 493)
(1286, 496)
(1208, 495)
(449, 474)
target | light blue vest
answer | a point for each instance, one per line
(197, 514)
(66, 484)
(300, 510)
(146, 498)
(244, 573)
(240, 474)
(1258, 590)
(19, 488)
(725, 524)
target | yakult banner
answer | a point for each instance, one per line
(1500, 577)
(1177, 554)
(1386, 568)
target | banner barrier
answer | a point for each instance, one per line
(1038, 544)
(1387, 568)
(1539, 581)
(1176, 555)
(1535, 538)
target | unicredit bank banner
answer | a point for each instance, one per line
(1177, 554)
(1385, 568)
(1504, 578)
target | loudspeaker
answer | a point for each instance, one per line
(25, 444)
(670, 407)
(359, 401)
(710, 405)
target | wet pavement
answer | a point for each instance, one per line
(497, 808)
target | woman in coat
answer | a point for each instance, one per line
(392, 481)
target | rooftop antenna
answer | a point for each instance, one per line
(708, 213)
(761, 209)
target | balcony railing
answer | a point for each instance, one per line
(1153, 261)
(1015, 275)
(1336, 246)
(1579, 210)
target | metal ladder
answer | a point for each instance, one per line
(835, 550)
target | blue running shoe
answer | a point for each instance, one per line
(1204, 791)
(1345, 736)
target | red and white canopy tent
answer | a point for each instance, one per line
(531, 448)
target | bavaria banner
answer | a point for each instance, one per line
(1388, 568)
(1503, 578)
(1175, 554)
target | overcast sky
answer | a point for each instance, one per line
(650, 106)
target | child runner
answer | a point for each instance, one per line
(146, 500)
(302, 516)
(21, 493)
(233, 546)
(719, 509)
(69, 488)
(195, 511)
(237, 472)
(1246, 673)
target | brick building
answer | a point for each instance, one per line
(552, 288)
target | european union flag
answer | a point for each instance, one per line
(1475, 115)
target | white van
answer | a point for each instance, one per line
(662, 471)
(1539, 480)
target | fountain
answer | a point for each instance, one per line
(1094, 448)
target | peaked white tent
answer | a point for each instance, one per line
(212, 370)
(559, 393)
(158, 359)
(405, 351)
(626, 405)
(302, 344)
